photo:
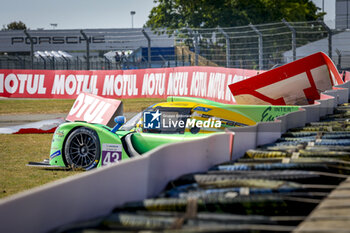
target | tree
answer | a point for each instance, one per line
(15, 26)
(173, 14)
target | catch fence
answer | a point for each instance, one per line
(258, 47)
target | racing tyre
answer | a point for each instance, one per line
(82, 148)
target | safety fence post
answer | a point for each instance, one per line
(329, 32)
(43, 61)
(67, 62)
(31, 48)
(339, 59)
(87, 49)
(228, 55)
(261, 64)
(149, 47)
(294, 44)
(196, 46)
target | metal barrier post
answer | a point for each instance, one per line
(339, 59)
(87, 49)
(228, 55)
(43, 61)
(67, 62)
(31, 49)
(107, 63)
(22, 64)
(175, 60)
(53, 63)
(149, 47)
(261, 64)
(329, 31)
(196, 48)
(294, 44)
(183, 56)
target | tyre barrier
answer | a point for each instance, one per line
(272, 188)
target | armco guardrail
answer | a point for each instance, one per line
(94, 193)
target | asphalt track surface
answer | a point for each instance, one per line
(20, 119)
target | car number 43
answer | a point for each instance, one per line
(110, 157)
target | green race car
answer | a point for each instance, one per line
(85, 145)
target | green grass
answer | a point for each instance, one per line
(37, 106)
(17, 150)
(137, 105)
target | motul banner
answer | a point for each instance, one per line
(296, 83)
(205, 82)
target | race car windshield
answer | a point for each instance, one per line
(130, 124)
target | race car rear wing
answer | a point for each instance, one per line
(95, 109)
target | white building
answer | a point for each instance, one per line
(340, 46)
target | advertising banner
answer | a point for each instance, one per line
(296, 83)
(203, 82)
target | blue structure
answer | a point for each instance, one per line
(160, 57)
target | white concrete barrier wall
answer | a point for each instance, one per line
(268, 132)
(323, 107)
(245, 139)
(312, 112)
(169, 162)
(97, 192)
(347, 86)
(340, 94)
(294, 119)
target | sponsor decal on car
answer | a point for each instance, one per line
(59, 133)
(55, 154)
(202, 109)
(92, 165)
(111, 153)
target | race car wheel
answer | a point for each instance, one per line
(82, 148)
